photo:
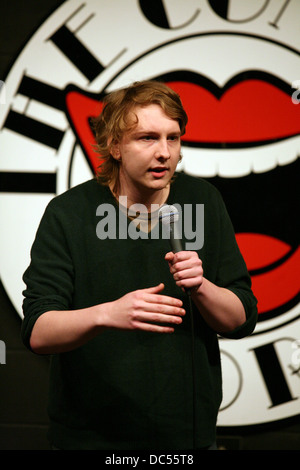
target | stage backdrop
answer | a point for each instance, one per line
(236, 66)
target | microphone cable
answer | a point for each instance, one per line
(194, 389)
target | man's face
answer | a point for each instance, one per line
(149, 152)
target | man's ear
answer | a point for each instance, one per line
(114, 148)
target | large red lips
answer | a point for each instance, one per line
(278, 282)
(250, 111)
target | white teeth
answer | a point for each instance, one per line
(235, 163)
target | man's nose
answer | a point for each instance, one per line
(163, 150)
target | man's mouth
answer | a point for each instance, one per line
(158, 172)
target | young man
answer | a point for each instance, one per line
(112, 310)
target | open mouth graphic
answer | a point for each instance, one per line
(274, 269)
(253, 108)
(231, 130)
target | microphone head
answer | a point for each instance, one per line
(168, 214)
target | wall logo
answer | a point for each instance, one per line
(2, 352)
(236, 67)
(2, 92)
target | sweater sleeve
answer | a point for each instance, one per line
(49, 277)
(233, 274)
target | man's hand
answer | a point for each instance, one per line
(147, 310)
(186, 268)
(220, 307)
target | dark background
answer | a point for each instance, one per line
(24, 377)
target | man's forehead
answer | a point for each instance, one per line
(148, 115)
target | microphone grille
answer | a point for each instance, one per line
(168, 214)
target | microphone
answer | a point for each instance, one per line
(169, 216)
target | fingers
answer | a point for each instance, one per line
(186, 268)
(152, 290)
(161, 312)
(152, 296)
(155, 328)
(147, 300)
(148, 310)
(145, 309)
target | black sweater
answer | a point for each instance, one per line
(130, 389)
